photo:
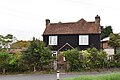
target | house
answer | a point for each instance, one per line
(104, 43)
(81, 34)
(105, 46)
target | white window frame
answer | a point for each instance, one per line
(53, 40)
(83, 39)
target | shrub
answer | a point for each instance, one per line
(73, 59)
(86, 59)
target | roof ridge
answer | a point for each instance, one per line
(79, 27)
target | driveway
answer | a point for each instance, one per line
(47, 76)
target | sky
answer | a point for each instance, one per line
(25, 19)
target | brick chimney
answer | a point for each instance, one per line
(97, 20)
(47, 21)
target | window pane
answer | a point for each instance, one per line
(83, 40)
(52, 40)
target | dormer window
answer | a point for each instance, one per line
(83, 40)
(52, 40)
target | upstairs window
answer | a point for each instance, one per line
(52, 40)
(83, 40)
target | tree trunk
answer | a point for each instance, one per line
(34, 68)
(115, 50)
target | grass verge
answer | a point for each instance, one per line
(112, 76)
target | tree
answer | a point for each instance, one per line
(114, 41)
(105, 32)
(4, 60)
(9, 36)
(37, 55)
(6, 41)
(20, 44)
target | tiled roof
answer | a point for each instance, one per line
(79, 27)
(105, 39)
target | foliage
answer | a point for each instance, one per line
(117, 59)
(4, 60)
(118, 50)
(37, 55)
(97, 59)
(94, 57)
(15, 62)
(10, 62)
(9, 36)
(86, 59)
(114, 41)
(72, 57)
(105, 32)
(6, 41)
(20, 44)
(103, 59)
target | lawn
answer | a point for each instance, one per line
(112, 76)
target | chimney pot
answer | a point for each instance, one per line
(47, 21)
(97, 19)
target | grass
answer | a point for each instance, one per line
(112, 76)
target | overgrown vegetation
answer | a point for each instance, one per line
(36, 57)
(20, 44)
(114, 41)
(89, 59)
(73, 59)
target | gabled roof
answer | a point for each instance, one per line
(66, 44)
(105, 39)
(79, 27)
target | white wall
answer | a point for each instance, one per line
(110, 51)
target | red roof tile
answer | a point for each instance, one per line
(79, 27)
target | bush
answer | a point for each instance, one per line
(86, 59)
(73, 59)
(4, 61)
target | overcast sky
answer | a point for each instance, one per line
(26, 18)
